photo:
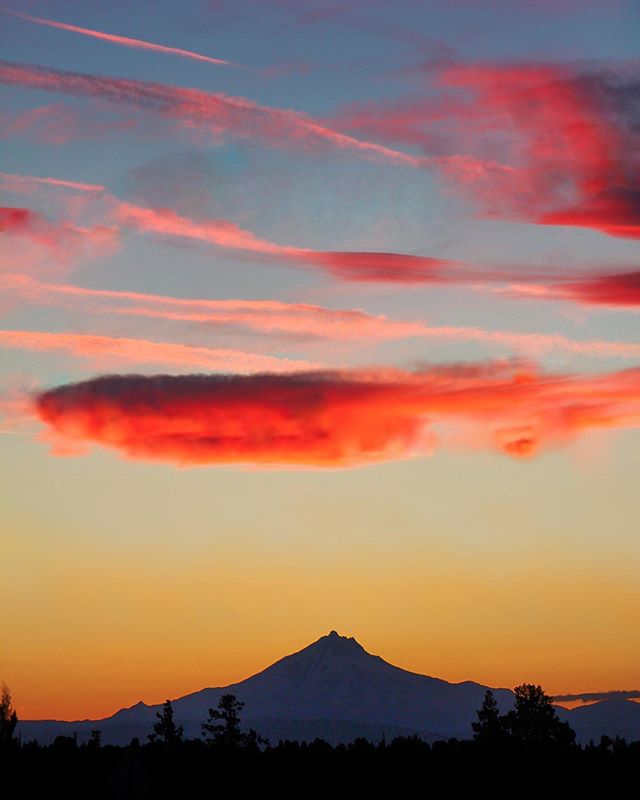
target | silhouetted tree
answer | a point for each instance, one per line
(222, 727)
(96, 739)
(533, 719)
(165, 730)
(223, 724)
(490, 728)
(8, 715)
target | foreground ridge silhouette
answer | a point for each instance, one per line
(526, 753)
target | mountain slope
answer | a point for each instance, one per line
(332, 689)
(336, 679)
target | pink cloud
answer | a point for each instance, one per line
(33, 243)
(264, 316)
(12, 182)
(355, 266)
(59, 124)
(217, 113)
(108, 349)
(125, 41)
(297, 319)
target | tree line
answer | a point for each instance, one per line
(526, 752)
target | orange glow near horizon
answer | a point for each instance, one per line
(338, 334)
(177, 624)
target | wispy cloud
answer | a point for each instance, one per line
(10, 181)
(59, 124)
(338, 419)
(216, 113)
(110, 349)
(64, 240)
(125, 41)
(616, 290)
(297, 319)
(565, 139)
(263, 316)
(32, 243)
(354, 266)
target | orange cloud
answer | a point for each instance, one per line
(335, 419)
(104, 349)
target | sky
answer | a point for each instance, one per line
(317, 315)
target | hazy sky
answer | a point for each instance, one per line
(398, 241)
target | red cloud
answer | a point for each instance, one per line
(335, 419)
(620, 290)
(612, 290)
(613, 212)
(353, 266)
(350, 266)
(31, 241)
(563, 142)
(574, 139)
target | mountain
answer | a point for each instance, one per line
(617, 717)
(332, 689)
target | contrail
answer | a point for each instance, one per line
(125, 41)
(216, 112)
(9, 178)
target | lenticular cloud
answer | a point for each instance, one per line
(338, 418)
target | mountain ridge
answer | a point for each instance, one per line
(334, 689)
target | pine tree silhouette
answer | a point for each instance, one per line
(533, 719)
(8, 715)
(490, 728)
(165, 729)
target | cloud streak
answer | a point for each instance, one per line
(65, 238)
(104, 349)
(11, 181)
(353, 266)
(125, 41)
(339, 418)
(296, 320)
(217, 113)
(617, 290)
(263, 316)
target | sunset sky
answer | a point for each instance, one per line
(317, 315)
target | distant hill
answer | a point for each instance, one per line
(333, 689)
(613, 718)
